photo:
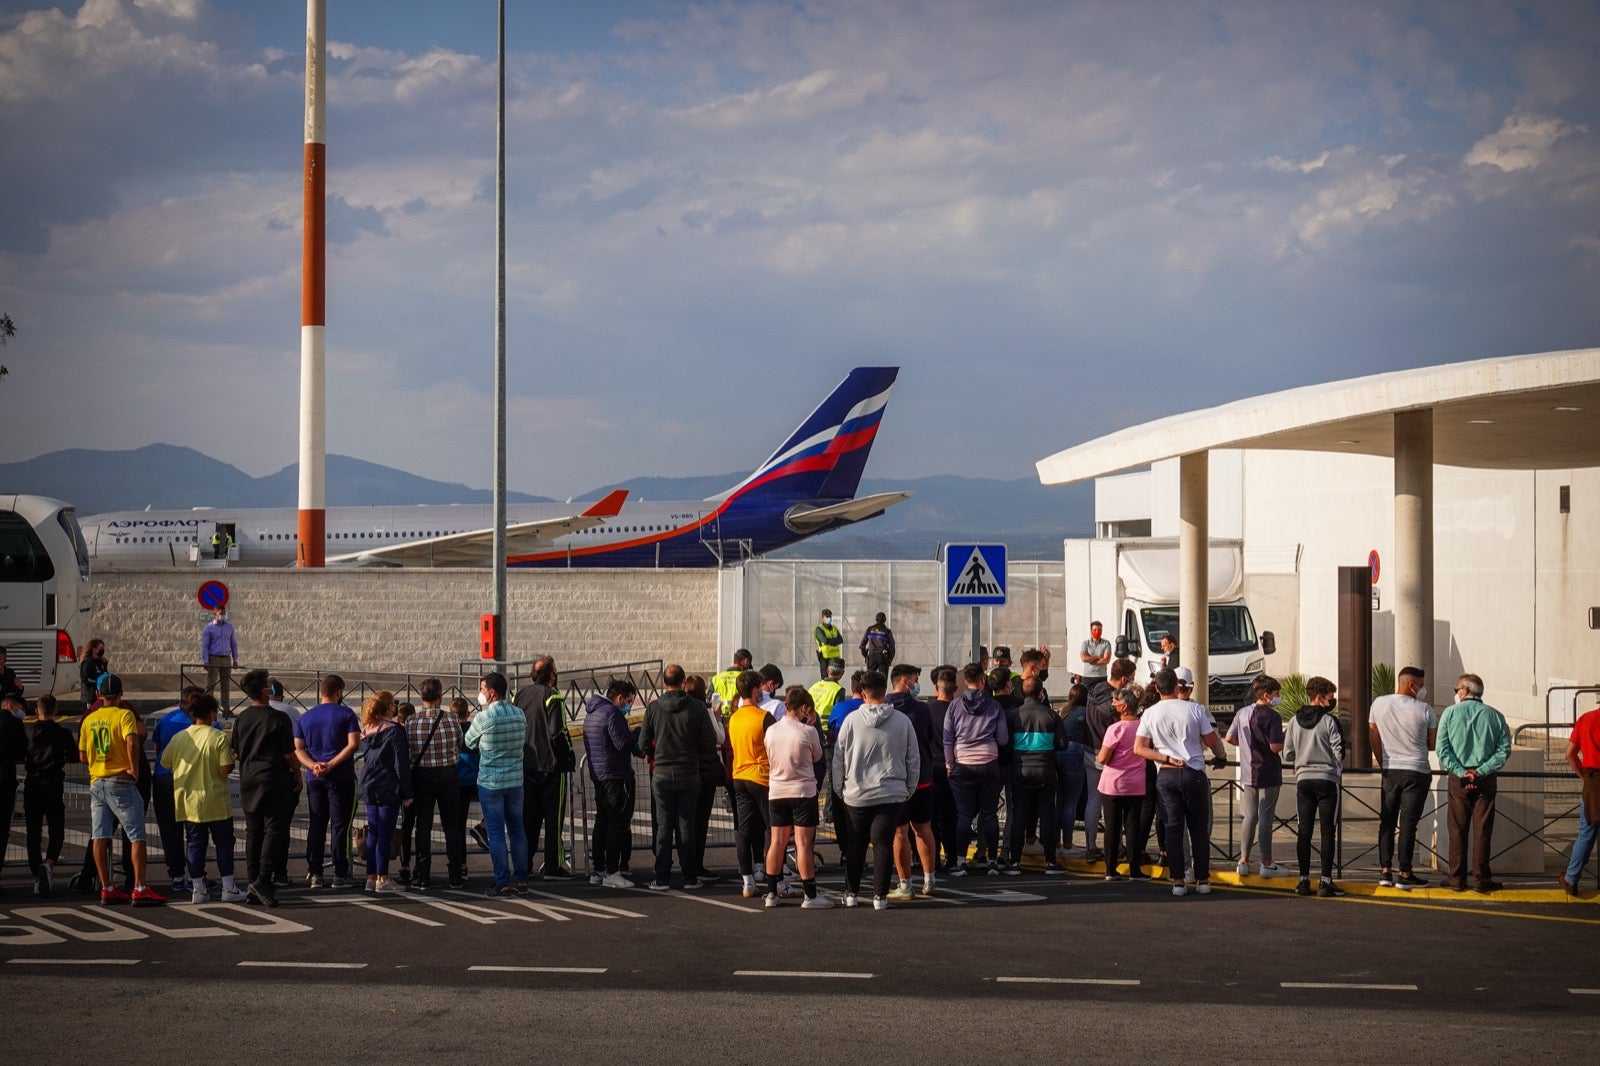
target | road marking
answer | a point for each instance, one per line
(306, 965)
(806, 973)
(536, 969)
(1004, 895)
(1067, 981)
(601, 907)
(677, 894)
(1345, 984)
(72, 962)
(373, 906)
(1573, 991)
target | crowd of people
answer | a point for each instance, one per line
(916, 779)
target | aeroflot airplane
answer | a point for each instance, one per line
(808, 486)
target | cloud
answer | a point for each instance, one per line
(1521, 143)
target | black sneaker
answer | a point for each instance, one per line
(421, 883)
(1407, 880)
(480, 836)
(1329, 890)
(1304, 887)
(404, 876)
(458, 881)
(555, 873)
(691, 884)
(281, 881)
(262, 893)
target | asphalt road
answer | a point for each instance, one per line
(1014, 969)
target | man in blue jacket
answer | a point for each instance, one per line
(608, 745)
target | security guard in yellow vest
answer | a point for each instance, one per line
(826, 692)
(724, 684)
(830, 643)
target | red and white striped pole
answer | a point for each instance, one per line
(313, 525)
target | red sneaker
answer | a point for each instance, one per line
(147, 897)
(113, 896)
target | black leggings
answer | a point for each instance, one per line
(1122, 832)
(1318, 801)
(750, 819)
(875, 826)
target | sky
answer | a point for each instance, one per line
(1060, 219)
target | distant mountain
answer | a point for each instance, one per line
(1029, 518)
(164, 476)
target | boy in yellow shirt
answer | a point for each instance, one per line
(108, 743)
(201, 759)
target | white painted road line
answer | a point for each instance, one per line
(1572, 991)
(374, 905)
(72, 962)
(805, 973)
(1341, 984)
(536, 969)
(1066, 981)
(696, 898)
(306, 965)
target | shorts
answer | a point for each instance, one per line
(918, 810)
(799, 810)
(114, 801)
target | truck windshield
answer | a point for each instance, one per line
(1232, 629)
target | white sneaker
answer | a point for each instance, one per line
(616, 881)
(234, 895)
(391, 887)
(371, 885)
(199, 895)
(1180, 890)
(849, 899)
(927, 886)
(1272, 869)
(1203, 888)
(819, 902)
(597, 878)
(879, 903)
(1242, 869)
(770, 900)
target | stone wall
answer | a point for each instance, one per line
(409, 620)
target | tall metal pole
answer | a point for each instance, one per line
(312, 548)
(500, 351)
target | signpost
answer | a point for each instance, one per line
(975, 576)
(213, 594)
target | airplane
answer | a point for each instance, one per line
(807, 486)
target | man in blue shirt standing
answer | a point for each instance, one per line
(173, 848)
(1474, 744)
(325, 741)
(497, 734)
(219, 650)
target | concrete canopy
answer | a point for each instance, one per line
(1525, 412)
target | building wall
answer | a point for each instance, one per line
(410, 620)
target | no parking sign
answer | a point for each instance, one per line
(213, 594)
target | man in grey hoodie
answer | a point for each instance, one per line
(1313, 741)
(875, 770)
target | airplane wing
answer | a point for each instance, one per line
(475, 547)
(803, 519)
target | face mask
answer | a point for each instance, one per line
(483, 698)
(1275, 701)
(1422, 693)
(916, 689)
(1332, 703)
(1459, 698)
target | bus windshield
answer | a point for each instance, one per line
(1232, 629)
(23, 558)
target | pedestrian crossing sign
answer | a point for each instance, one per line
(975, 575)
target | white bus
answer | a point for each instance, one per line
(44, 592)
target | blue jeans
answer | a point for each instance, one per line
(113, 801)
(1582, 847)
(1069, 789)
(502, 818)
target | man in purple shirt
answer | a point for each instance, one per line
(219, 650)
(325, 741)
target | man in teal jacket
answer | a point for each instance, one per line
(1473, 745)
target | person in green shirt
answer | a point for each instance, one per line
(1473, 744)
(201, 759)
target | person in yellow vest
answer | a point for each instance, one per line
(830, 643)
(724, 685)
(828, 691)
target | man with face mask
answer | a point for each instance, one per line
(1257, 731)
(219, 650)
(1474, 744)
(1401, 729)
(497, 733)
(1096, 657)
(608, 744)
(830, 643)
(1313, 741)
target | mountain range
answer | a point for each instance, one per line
(1029, 518)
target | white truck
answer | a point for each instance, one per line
(1130, 586)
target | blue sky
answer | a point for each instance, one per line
(1060, 218)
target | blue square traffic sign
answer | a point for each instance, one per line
(975, 575)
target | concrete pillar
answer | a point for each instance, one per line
(1194, 578)
(1413, 543)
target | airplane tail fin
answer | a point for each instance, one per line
(824, 458)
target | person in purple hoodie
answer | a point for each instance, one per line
(974, 731)
(608, 746)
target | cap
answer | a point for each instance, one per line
(109, 685)
(1185, 676)
(1002, 651)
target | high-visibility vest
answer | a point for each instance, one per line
(824, 694)
(830, 642)
(725, 685)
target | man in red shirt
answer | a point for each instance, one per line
(1583, 755)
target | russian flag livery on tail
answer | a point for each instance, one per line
(808, 486)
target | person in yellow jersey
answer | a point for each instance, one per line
(109, 741)
(830, 643)
(200, 760)
(747, 731)
(722, 684)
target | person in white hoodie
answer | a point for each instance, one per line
(875, 770)
(1313, 741)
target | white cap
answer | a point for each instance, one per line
(1185, 676)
